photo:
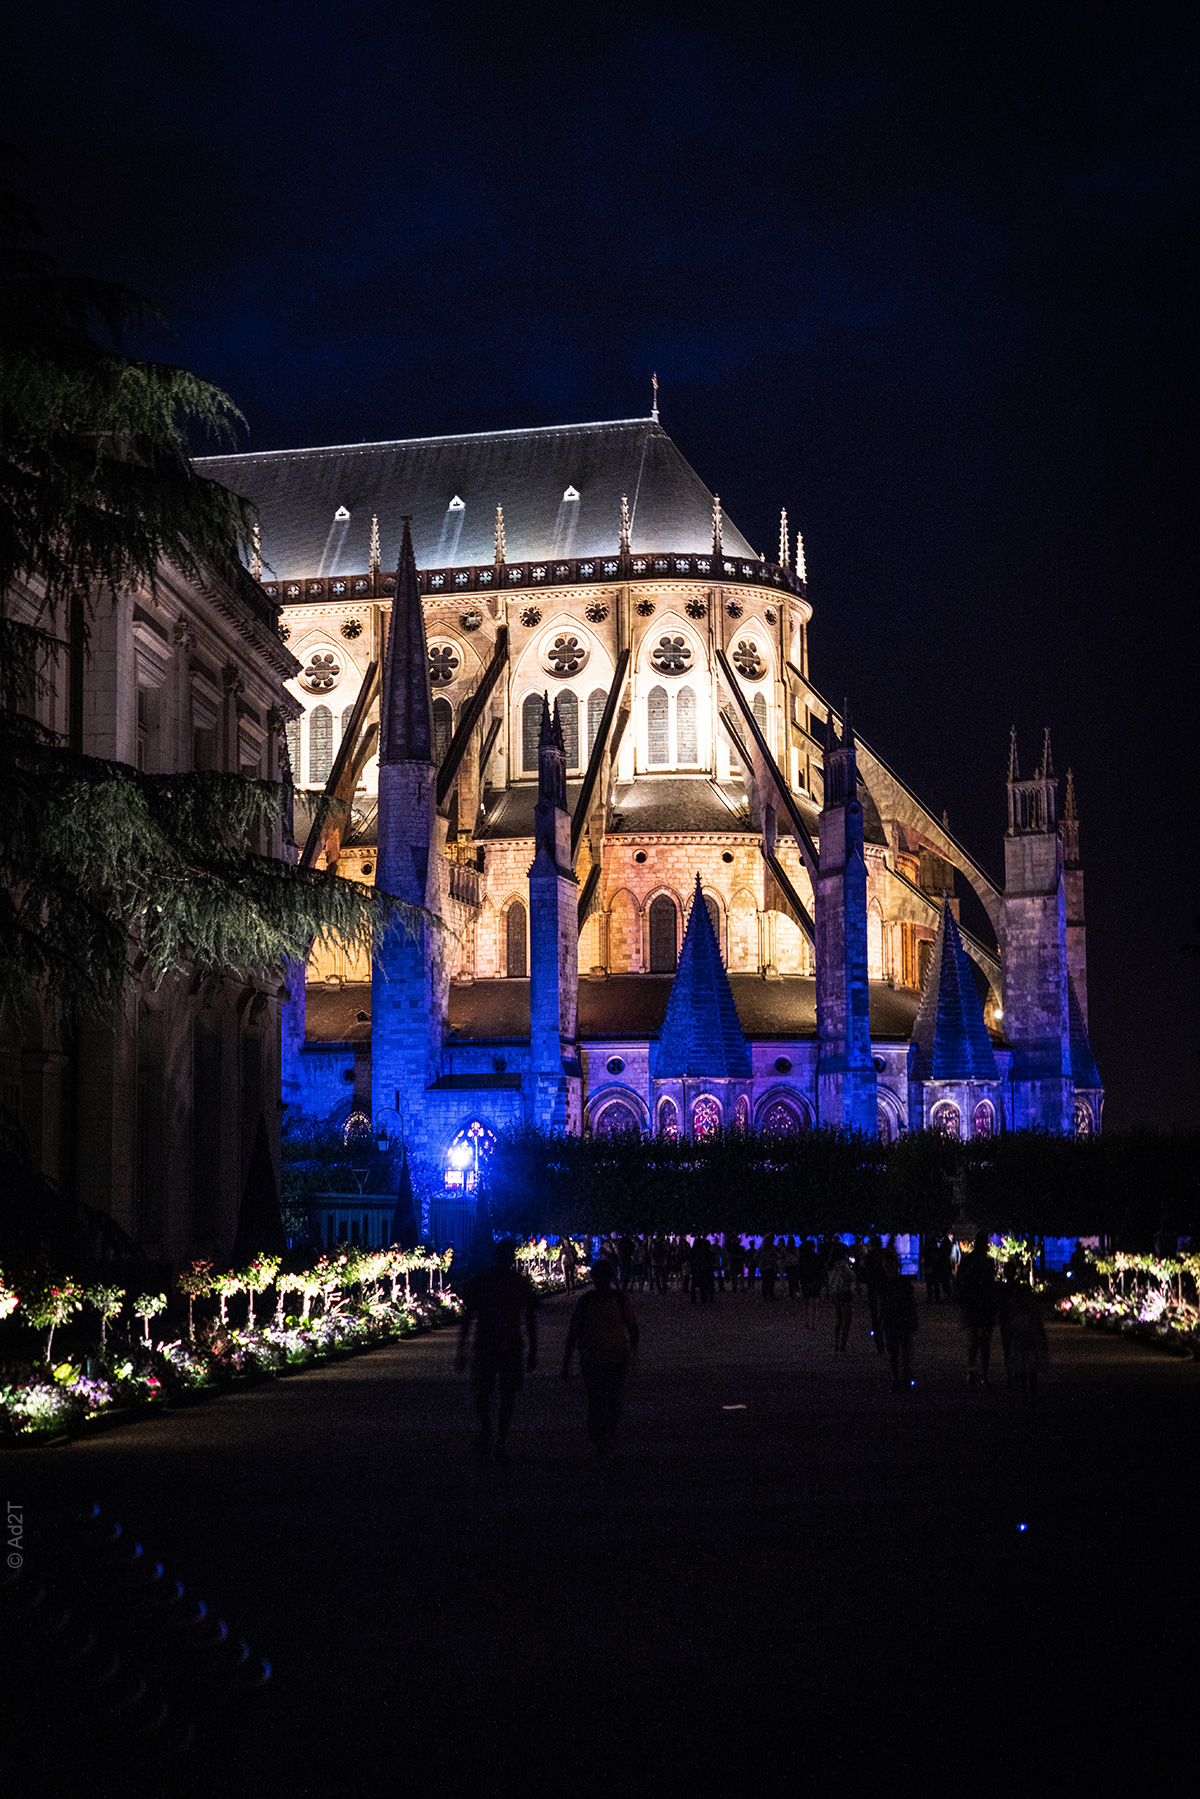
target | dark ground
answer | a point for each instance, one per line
(797, 1591)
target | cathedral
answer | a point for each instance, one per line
(672, 888)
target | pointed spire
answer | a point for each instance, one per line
(558, 741)
(552, 775)
(501, 552)
(546, 728)
(701, 1034)
(624, 524)
(785, 559)
(950, 1035)
(654, 403)
(1014, 766)
(256, 552)
(406, 710)
(800, 570)
(1046, 772)
(831, 736)
(1070, 809)
(716, 522)
(374, 565)
(847, 727)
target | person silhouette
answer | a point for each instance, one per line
(604, 1329)
(495, 1303)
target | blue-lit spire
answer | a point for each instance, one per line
(701, 1033)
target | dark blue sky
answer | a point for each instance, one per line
(924, 275)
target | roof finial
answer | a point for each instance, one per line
(785, 559)
(1070, 810)
(374, 568)
(624, 525)
(1014, 767)
(501, 552)
(654, 403)
(800, 574)
(256, 552)
(716, 524)
(1046, 771)
(847, 727)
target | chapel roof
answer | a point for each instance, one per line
(620, 1008)
(950, 1035)
(1084, 1072)
(701, 1033)
(301, 495)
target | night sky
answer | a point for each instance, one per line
(924, 275)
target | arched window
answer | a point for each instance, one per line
(515, 965)
(320, 745)
(467, 1156)
(531, 730)
(664, 936)
(568, 712)
(706, 1117)
(595, 713)
(616, 1120)
(714, 918)
(741, 1115)
(758, 706)
(946, 1118)
(883, 1124)
(1084, 1122)
(658, 747)
(668, 1120)
(443, 728)
(292, 734)
(779, 1120)
(687, 740)
(983, 1122)
(347, 715)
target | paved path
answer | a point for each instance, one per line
(829, 1576)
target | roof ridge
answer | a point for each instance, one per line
(393, 443)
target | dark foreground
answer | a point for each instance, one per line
(829, 1580)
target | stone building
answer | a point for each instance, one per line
(152, 1116)
(594, 713)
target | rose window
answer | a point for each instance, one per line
(443, 664)
(672, 655)
(566, 655)
(322, 671)
(747, 659)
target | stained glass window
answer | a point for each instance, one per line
(946, 1118)
(1083, 1118)
(568, 713)
(983, 1124)
(595, 712)
(531, 730)
(320, 745)
(741, 1116)
(759, 708)
(443, 728)
(685, 726)
(516, 966)
(706, 1117)
(664, 940)
(658, 749)
(292, 734)
(779, 1120)
(615, 1120)
(668, 1120)
(883, 1125)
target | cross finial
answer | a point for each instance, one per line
(501, 552)
(374, 569)
(800, 574)
(624, 525)
(256, 553)
(654, 402)
(716, 524)
(784, 546)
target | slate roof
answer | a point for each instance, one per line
(679, 803)
(511, 812)
(298, 493)
(1084, 1072)
(701, 1033)
(950, 1035)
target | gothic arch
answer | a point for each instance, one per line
(781, 1095)
(654, 921)
(514, 938)
(609, 1099)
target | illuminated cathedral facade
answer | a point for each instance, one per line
(554, 696)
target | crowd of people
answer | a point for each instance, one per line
(500, 1310)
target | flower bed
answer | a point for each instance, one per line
(1151, 1298)
(349, 1303)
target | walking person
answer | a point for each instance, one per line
(658, 1263)
(1026, 1351)
(811, 1278)
(873, 1275)
(604, 1329)
(495, 1303)
(732, 1259)
(791, 1266)
(975, 1291)
(839, 1284)
(768, 1265)
(703, 1271)
(898, 1318)
(568, 1256)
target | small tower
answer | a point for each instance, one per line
(953, 1081)
(846, 1085)
(408, 985)
(1073, 880)
(1036, 1005)
(553, 941)
(702, 1053)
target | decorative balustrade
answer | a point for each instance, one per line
(549, 572)
(466, 883)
